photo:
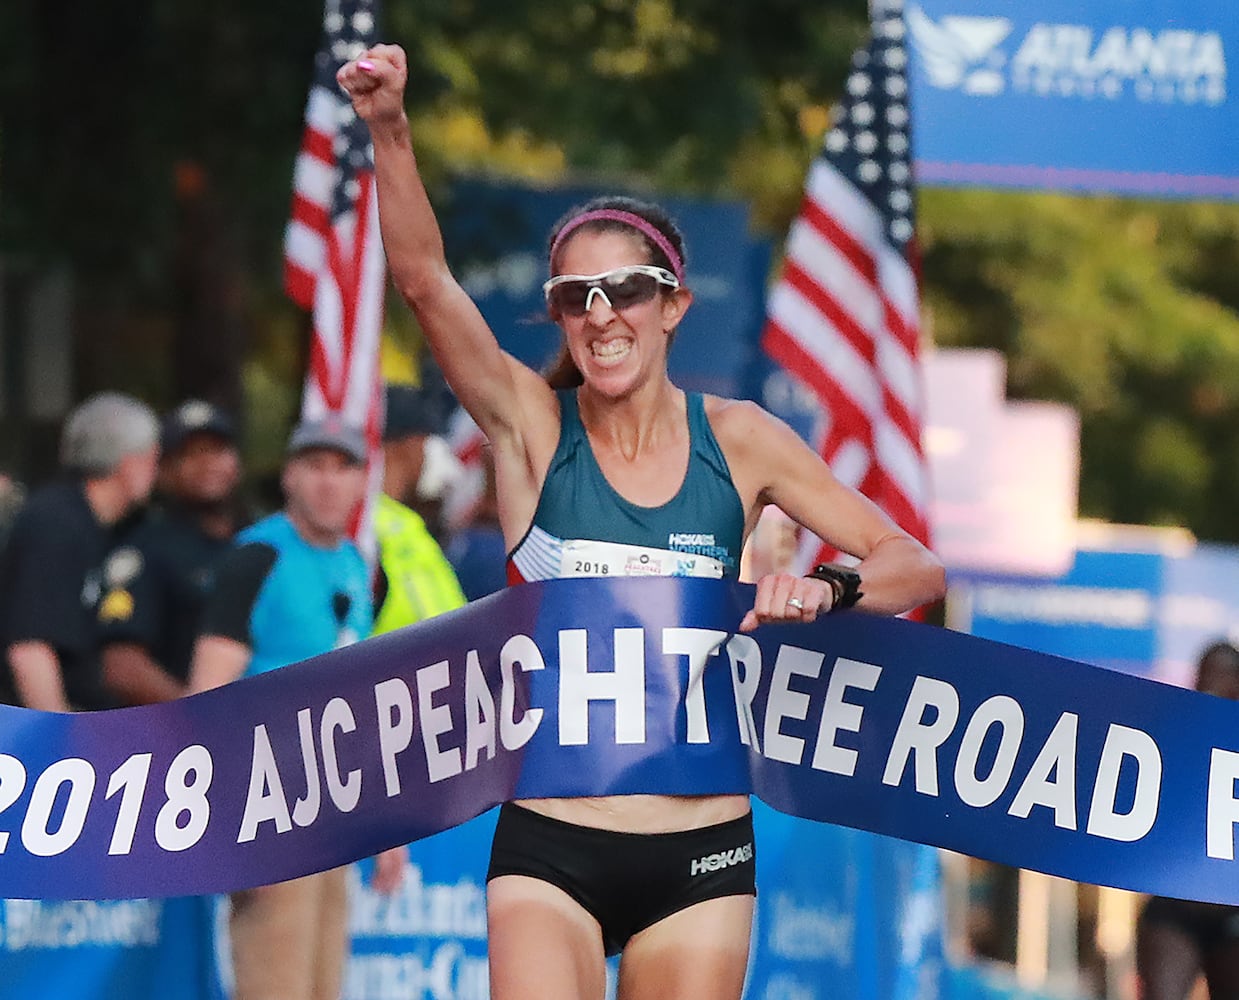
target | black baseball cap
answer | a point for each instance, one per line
(329, 432)
(412, 410)
(195, 416)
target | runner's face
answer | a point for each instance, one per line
(616, 350)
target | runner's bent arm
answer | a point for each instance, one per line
(774, 465)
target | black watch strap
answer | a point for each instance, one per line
(843, 580)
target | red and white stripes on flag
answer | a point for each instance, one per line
(333, 253)
(844, 316)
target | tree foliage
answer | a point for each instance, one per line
(1125, 310)
(149, 146)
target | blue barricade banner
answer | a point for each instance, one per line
(426, 941)
(131, 948)
(584, 687)
(1110, 95)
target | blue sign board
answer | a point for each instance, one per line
(496, 240)
(1102, 611)
(1150, 613)
(1106, 96)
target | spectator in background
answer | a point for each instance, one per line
(51, 572)
(12, 496)
(158, 578)
(1178, 940)
(476, 550)
(295, 587)
(416, 581)
(418, 461)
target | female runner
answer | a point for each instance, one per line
(604, 461)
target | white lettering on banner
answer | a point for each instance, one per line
(36, 837)
(12, 784)
(743, 651)
(479, 713)
(1223, 808)
(1103, 820)
(840, 714)
(1057, 758)
(344, 792)
(130, 780)
(914, 736)
(34, 924)
(1171, 66)
(436, 720)
(578, 686)
(514, 733)
(418, 908)
(1105, 607)
(698, 644)
(1006, 714)
(265, 800)
(784, 703)
(1072, 61)
(185, 796)
(394, 702)
(185, 785)
(305, 809)
(448, 974)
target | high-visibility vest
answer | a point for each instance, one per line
(420, 580)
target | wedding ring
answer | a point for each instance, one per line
(795, 602)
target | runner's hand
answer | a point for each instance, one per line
(375, 83)
(389, 869)
(782, 597)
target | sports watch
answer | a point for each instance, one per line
(844, 582)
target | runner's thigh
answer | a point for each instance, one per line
(542, 943)
(700, 951)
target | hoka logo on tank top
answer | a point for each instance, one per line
(699, 543)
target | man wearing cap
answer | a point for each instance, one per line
(51, 571)
(158, 578)
(294, 587)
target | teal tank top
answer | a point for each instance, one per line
(583, 527)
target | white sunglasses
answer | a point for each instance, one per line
(572, 294)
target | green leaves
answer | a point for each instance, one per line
(1120, 308)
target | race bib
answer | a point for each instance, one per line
(583, 557)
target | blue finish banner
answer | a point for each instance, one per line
(585, 687)
(1110, 95)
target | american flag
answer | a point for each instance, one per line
(333, 254)
(844, 316)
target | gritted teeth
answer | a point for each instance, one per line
(607, 349)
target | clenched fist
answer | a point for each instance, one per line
(375, 83)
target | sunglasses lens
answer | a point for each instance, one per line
(569, 298)
(623, 288)
(629, 289)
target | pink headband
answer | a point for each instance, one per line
(629, 219)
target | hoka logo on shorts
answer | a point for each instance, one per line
(723, 859)
(1076, 61)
